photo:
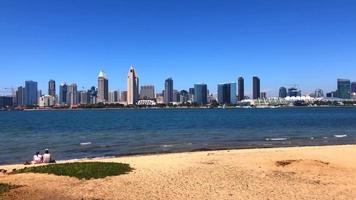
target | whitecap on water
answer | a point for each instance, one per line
(340, 136)
(276, 139)
(85, 143)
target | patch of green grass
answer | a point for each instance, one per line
(81, 170)
(6, 187)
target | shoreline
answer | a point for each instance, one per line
(313, 172)
(201, 150)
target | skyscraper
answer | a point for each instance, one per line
(176, 96)
(168, 91)
(52, 88)
(103, 87)
(123, 96)
(147, 92)
(20, 96)
(241, 88)
(282, 92)
(114, 96)
(72, 94)
(63, 89)
(31, 93)
(318, 93)
(224, 93)
(353, 87)
(184, 96)
(256, 88)
(294, 92)
(201, 93)
(132, 87)
(344, 88)
(227, 93)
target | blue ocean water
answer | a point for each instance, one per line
(95, 133)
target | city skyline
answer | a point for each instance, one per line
(284, 43)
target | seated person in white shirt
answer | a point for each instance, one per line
(37, 158)
(47, 158)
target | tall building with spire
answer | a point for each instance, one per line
(132, 87)
(103, 87)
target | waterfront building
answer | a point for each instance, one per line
(31, 93)
(294, 92)
(319, 93)
(168, 91)
(344, 88)
(46, 101)
(63, 89)
(114, 96)
(103, 87)
(176, 96)
(227, 93)
(353, 87)
(132, 87)
(263, 95)
(184, 96)
(20, 96)
(147, 92)
(6, 101)
(201, 93)
(191, 94)
(52, 88)
(123, 96)
(282, 92)
(256, 84)
(146, 103)
(241, 88)
(160, 98)
(84, 97)
(72, 94)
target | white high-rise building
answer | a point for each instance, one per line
(132, 87)
(103, 87)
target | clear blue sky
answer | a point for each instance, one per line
(305, 42)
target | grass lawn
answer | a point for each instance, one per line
(81, 170)
(6, 187)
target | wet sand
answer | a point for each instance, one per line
(327, 172)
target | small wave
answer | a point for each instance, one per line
(85, 143)
(311, 138)
(167, 145)
(340, 136)
(276, 139)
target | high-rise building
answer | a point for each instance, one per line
(344, 88)
(132, 87)
(31, 93)
(147, 92)
(282, 92)
(72, 94)
(227, 93)
(318, 93)
(294, 92)
(46, 101)
(123, 96)
(201, 93)
(20, 96)
(263, 95)
(176, 96)
(114, 96)
(168, 91)
(6, 101)
(353, 87)
(184, 96)
(103, 87)
(93, 94)
(256, 87)
(191, 94)
(63, 89)
(84, 97)
(52, 88)
(241, 88)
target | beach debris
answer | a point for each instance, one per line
(283, 163)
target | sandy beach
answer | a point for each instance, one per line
(327, 172)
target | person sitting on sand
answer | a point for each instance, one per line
(37, 158)
(47, 157)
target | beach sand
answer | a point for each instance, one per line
(327, 172)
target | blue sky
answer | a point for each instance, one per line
(309, 43)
